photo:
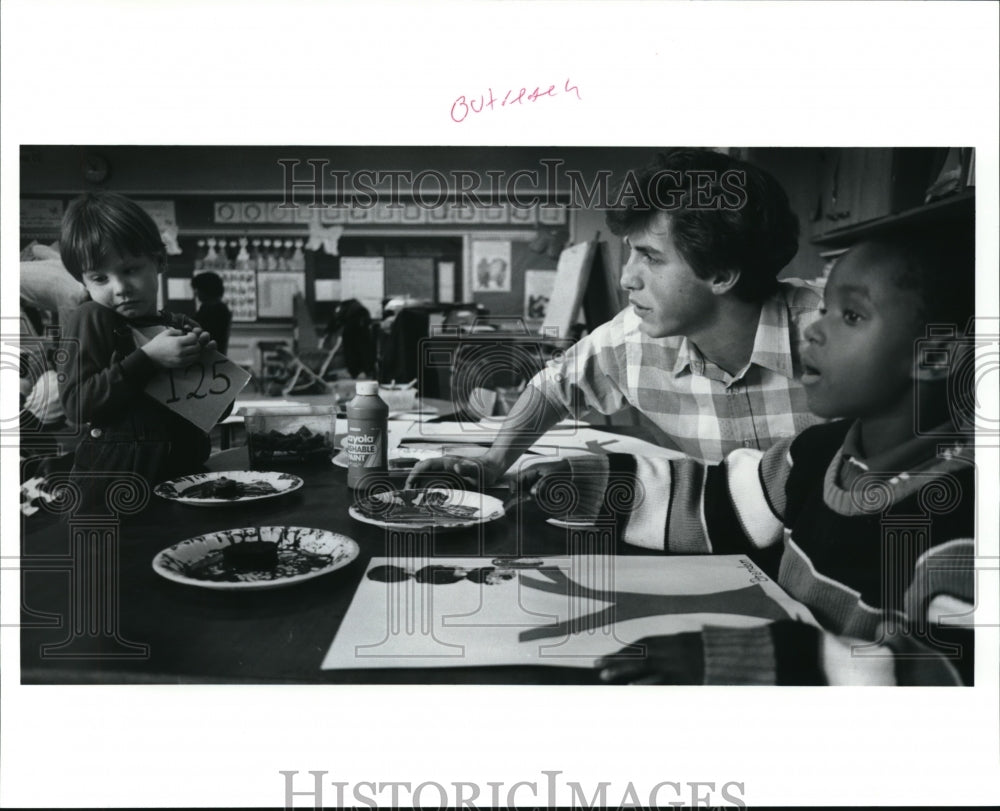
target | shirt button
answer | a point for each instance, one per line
(96, 433)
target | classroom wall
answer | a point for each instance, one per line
(249, 170)
(239, 172)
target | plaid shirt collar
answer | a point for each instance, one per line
(772, 348)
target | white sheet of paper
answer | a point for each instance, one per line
(179, 290)
(612, 600)
(270, 403)
(276, 292)
(363, 278)
(328, 290)
(568, 288)
(201, 392)
(568, 434)
(446, 282)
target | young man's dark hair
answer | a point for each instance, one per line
(724, 213)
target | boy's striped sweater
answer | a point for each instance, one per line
(881, 559)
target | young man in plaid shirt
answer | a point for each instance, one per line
(708, 348)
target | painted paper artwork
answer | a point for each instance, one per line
(562, 611)
(538, 286)
(491, 266)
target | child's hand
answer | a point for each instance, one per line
(676, 659)
(204, 338)
(173, 348)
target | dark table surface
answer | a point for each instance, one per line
(149, 629)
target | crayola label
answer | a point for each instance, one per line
(365, 449)
(365, 445)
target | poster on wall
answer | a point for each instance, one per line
(363, 278)
(538, 286)
(276, 293)
(240, 293)
(491, 266)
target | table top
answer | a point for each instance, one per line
(149, 629)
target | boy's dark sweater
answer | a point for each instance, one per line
(105, 378)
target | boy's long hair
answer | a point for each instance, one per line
(97, 222)
(749, 225)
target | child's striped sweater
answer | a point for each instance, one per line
(884, 562)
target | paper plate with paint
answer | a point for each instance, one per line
(255, 557)
(227, 487)
(437, 507)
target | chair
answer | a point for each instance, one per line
(308, 360)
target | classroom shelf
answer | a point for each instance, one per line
(958, 207)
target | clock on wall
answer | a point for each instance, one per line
(95, 168)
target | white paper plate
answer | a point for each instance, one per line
(194, 489)
(434, 507)
(302, 555)
(397, 457)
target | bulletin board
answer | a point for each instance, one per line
(510, 302)
(410, 276)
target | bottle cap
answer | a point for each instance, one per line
(366, 387)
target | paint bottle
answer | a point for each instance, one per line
(367, 437)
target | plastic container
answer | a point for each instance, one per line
(398, 398)
(367, 437)
(290, 434)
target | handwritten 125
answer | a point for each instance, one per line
(463, 105)
(199, 369)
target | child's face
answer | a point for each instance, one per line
(663, 289)
(125, 284)
(858, 361)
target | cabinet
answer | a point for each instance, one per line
(855, 186)
(864, 190)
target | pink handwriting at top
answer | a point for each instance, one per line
(464, 105)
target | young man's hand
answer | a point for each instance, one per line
(675, 659)
(173, 348)
(475, 474)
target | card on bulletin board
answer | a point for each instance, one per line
(201, 391)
